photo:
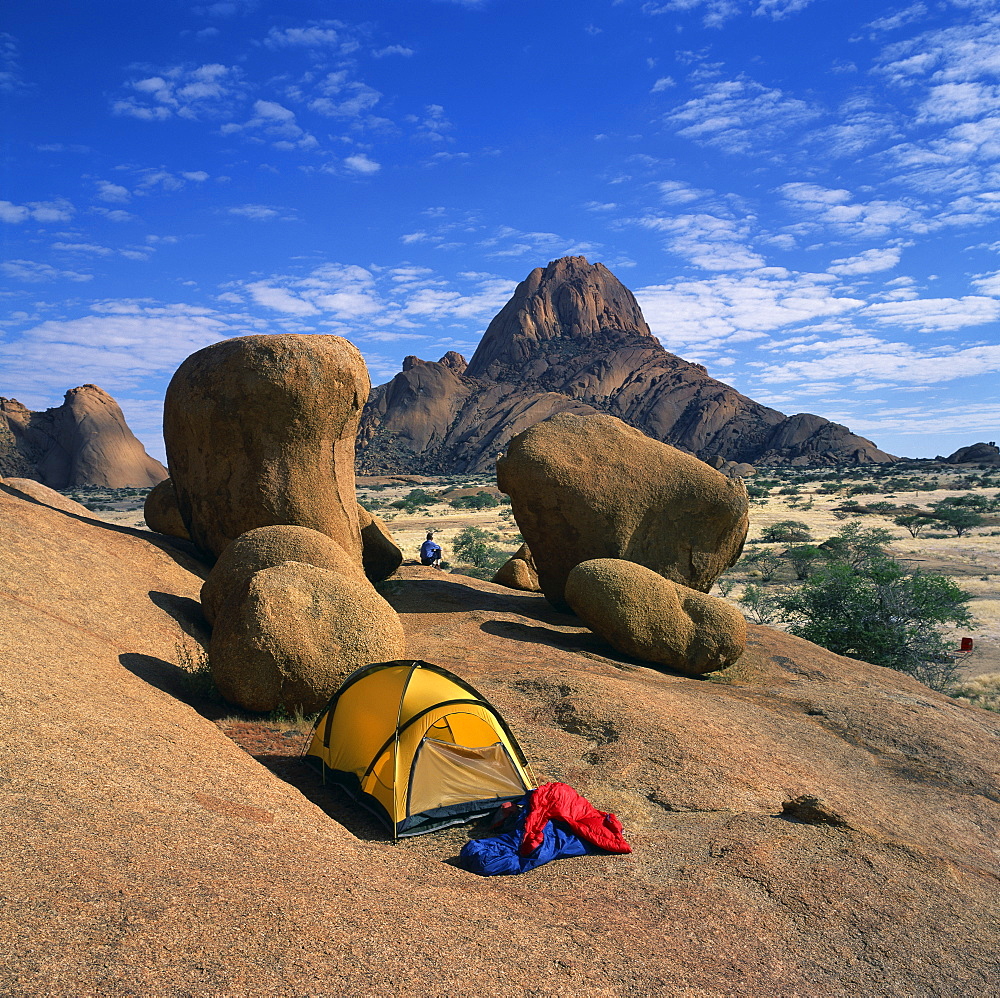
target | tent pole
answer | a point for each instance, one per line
(395, 747)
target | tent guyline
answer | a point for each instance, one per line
(418, 746)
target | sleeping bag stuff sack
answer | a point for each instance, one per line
(418, 746)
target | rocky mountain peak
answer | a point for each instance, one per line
(570, 299)
(572, 339)
(84, 441)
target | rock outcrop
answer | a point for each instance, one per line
(981, 453)
(594, 487)
(260, 430)
(85, 441)
(811, 825)
(644, 615)
(28, 488)
(292, 634)
(573, 339)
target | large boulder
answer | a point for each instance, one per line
(519, 572)
(585, 487)
(260, 430)
(267, 547)
(161, 512)
(644, 615)
(380, 555)
(292, 633)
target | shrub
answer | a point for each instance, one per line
(482, 500)
(475, 546)
(879, 612)
(761, 606)
(958, 518)
(914, 522)
(858, 546)
(787, 532)
(765, 562)
(805, 559)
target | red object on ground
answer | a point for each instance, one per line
(966, 644)
(557, 801)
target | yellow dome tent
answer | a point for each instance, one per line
(418, 746)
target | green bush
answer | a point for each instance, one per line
(482, 500)
(879, 612)
(787, 532)
(477, 547)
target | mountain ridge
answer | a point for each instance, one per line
(572, 338)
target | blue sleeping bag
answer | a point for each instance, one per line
(498, 856)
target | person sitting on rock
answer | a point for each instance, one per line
(430, 553)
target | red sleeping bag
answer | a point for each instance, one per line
(559, 802)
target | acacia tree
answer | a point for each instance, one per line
(881, 613)
(914, 522)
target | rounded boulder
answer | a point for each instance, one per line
(292, 634)
(266, 547)
(644, 615)
(380, 555)
(162, 513)
(260, 430)
(518, 572)
(585, 487)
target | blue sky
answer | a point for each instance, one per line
(803, 194)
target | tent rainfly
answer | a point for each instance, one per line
(418, 746)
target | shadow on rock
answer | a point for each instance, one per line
(186, 611)
(448, 596)
(582, 642)
(175, 682)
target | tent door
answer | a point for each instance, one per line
(446, 774)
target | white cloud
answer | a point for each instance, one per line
(344, 98)
(256, 212)
(695, 315)
(934, 314)
(819, 207)
(114, 193)
(58, 210)
(208, 91)
(14, 214)
(868, 262)
(402, 50)
(86, 248)
(323, 34)
(280, 299)
(432, 124)
(360, 163)
(988, 284)
(275, 122)
(663, 83)
(116, 346)
(707, 241)
(508, 241)
(32, 272)
(740, 116)
(867, 358)
(903, 17)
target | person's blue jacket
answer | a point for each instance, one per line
(430, 550)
